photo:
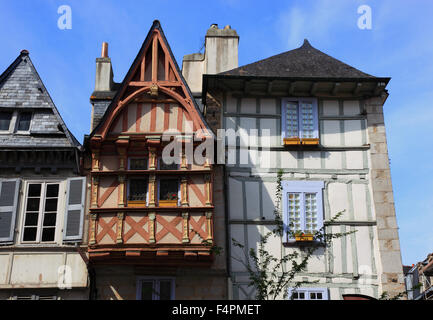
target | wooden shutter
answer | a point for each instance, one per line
(8, 208)
(74, 213)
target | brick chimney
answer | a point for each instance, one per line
(221, 54)
(104, 86)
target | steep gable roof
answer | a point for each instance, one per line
(156, 26)
(21, 88)
(303, 62)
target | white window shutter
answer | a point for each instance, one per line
(9, 193)
(74, 209)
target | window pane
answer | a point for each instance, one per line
(48, 234)
(292, 120)
(319, 296)
(307, 120)
(138, 163)
(166, 166)
(301, 295)
(294, 211)
(168, 189)
(30, 234)
(24, 121)
(165, 290)
(146, 290)
(5, 120)
(31, 219)
(311, 224)
(51, 205)
(50, 219)
(34, 190)
(52, 190)
(33, 204)
(137, 189)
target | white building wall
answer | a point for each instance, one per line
(350, 265)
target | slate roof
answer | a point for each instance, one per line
(21, 88)
(303, 62)
(156, 25)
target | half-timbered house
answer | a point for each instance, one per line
(321, 122)
(152, 221)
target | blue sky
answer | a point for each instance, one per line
(399, 45)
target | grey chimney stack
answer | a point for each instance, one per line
(221, 54)
(104, 71)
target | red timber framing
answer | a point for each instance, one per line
(147, 229)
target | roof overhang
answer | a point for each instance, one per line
(295, 86)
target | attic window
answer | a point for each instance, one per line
(24, 121)
(5, 120)
(299, 121)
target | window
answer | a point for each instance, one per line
(137, 191)
(34, 297)
(165, 166)
(300, 122)
(302, 207)
(309, 294)
(155, 289)
(138, 163)
(168, 192)
(24, 121)
(40, 215)
(5, 120)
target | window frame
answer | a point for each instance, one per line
(155, 280)
(159, 159)
(303, 187)
(41, 213)
(314, 102)
(17, 122)
(324, 291)
(11, 121)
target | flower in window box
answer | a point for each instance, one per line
(301, 236)
(171, 196)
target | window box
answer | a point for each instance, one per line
(168, 203)
(291, 141)
(304, 237)
(310, 141)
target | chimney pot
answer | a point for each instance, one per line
(214, 26)
(104, 53)
(227, 27)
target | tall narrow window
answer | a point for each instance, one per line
(41, 212)
(300, 121)
(24, 121)
(168, 192)
(302, 207)
(137, 191)
(5, 120)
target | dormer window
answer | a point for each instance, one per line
(300, 121)
(24, 119)
(5, 120)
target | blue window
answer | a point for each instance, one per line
(302, 206)
(299, 118)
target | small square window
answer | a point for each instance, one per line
(156, 289)
(5, 120)
(24, 121)
(138, 163)
(167, 166)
